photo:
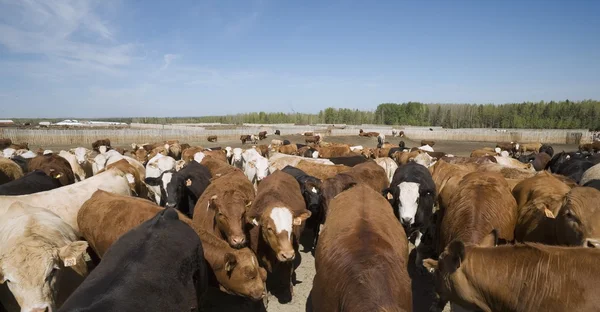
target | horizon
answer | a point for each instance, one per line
(97, 59)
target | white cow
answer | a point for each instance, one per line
(75, 166)
(8, 152)
(424, 159)
(389, 165)
(256, 167)
(394, 133)
(426, 148)
(83, 156)
(35, 248)
(102, 160)
(278, 161)
(237, 160)
(154, 168)
(66, 201)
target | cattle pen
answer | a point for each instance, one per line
(150, 133)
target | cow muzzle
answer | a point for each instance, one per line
(285, 256)
(237, 242)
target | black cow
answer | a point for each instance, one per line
(393, 151)
(561, 158)
(33, 182)
(574, 168)
(412, 194)
(526, 159)
(22, 162)
(298, 145)
(349, 161)
(547, 149)
(184, 188)
(311, 191)
(277, 132)
(286, 142)
(157, 266)
(593, 183)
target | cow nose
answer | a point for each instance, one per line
(238, 241)
(287, 255)
(406, 221)
(170, 205)
(46, 309)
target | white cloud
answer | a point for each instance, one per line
(168, 59)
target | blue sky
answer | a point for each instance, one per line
(111, 58)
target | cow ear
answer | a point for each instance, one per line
(456, 253)
(301, 218)
(56, 175)
(490, 240)
(431, 265)
(230, 262)
(387, 193)
(72, 256)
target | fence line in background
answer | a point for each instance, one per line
(155, 133)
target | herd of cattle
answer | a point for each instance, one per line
(154, 227)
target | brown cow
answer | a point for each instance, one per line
(593, 147)
(221, 208)
(106, 216)
(511, 147)
(530, 147)
(188, 154)
(278, 215)
(141, 155)
(245, 138)
(4, 143)
(373, 269)
(212, 138)
(9, 170)
(368, 153)
(137, 186)
(578, 221)
(102, 142)
(309, 133)
(18, 146)
(216, 154)
(312, 139)
(427, 142)
(158, 150)
(524, 278)
(538, 199)
(371, 174)
(54, 166)
(466, 160)
(174, 150)
(290, 149)
(333, 151)
(540, 161)
(217, 168)
(480, 203)
(263, 150)
(483, 153)
(262, 135)
(403, 158)
(321, 171)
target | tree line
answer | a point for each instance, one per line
(534, 115)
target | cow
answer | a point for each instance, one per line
(403, 158)
(394, 133)
(308, 133)
(321, 171)
(477, 278)
(310, 187)
(530, 147)
(371, 174)
(473, 207)
(593, 147)
(54, 166)
(245, 138)
(67, 200)
(262, 135)
(578, 221)
(593, 173)
(511, 147)
(334, 151)
(412, 194)
(217, 154)
(278, 214)
(256, 167)
(547, 149)
(188, 154)
(427, 142)
(154, 168)
(309, 152)
(101, 146)
(218, 168)
(78, 171)
(174, 150)
(349, 161)
(483, 152)
(37, 246)
(389, 165)
(222, 207)
(289, 149)
(237, 160)
(18, 146)
(312, 139)
(184, 187)
(574, 168)
(176, 270)
(9, 170)
(376, 261)
(275, 143)
(33, 182)
(380, 140)
(83, 155)
(278, 161)
(277, 132)
(212, 138)
(539, 199)
(263, 150)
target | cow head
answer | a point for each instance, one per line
(276, 229)
(311, 191)
(578, 220)
(230, 211)
(262, 168)
(32, 270)
(173, 189)
(81, 154)
(161, 181)
(243, 275)
(412, 202)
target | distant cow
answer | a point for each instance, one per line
(212, 138)
(278, 214)
(168, 257)
(530, 147)
(312, 139)
(289, 149)
(245, 138)
(547, 149)
(308, 133)
(380, 140)
(101, 146)
(262, 135)
(277, 132)
(427, 142)
(362, 250)
(510, 147)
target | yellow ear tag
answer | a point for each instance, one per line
(297, 221)
(70, 262)
(188, 182)
(86, 257)
(548, 213)
(390, 196)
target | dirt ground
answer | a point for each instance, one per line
(422, 284)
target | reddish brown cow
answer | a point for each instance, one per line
(290, 149)
(371, 174)
(262, 135)
(373, 268)
(312, 139)
(578, 221)
(217, 154)
(188, 154)
(524, 278)
(218, 168)
(18, 146)
(321, 171)
(54, 166)
(278, 215)
(263, 150)
(221, 208)
(334, 151)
